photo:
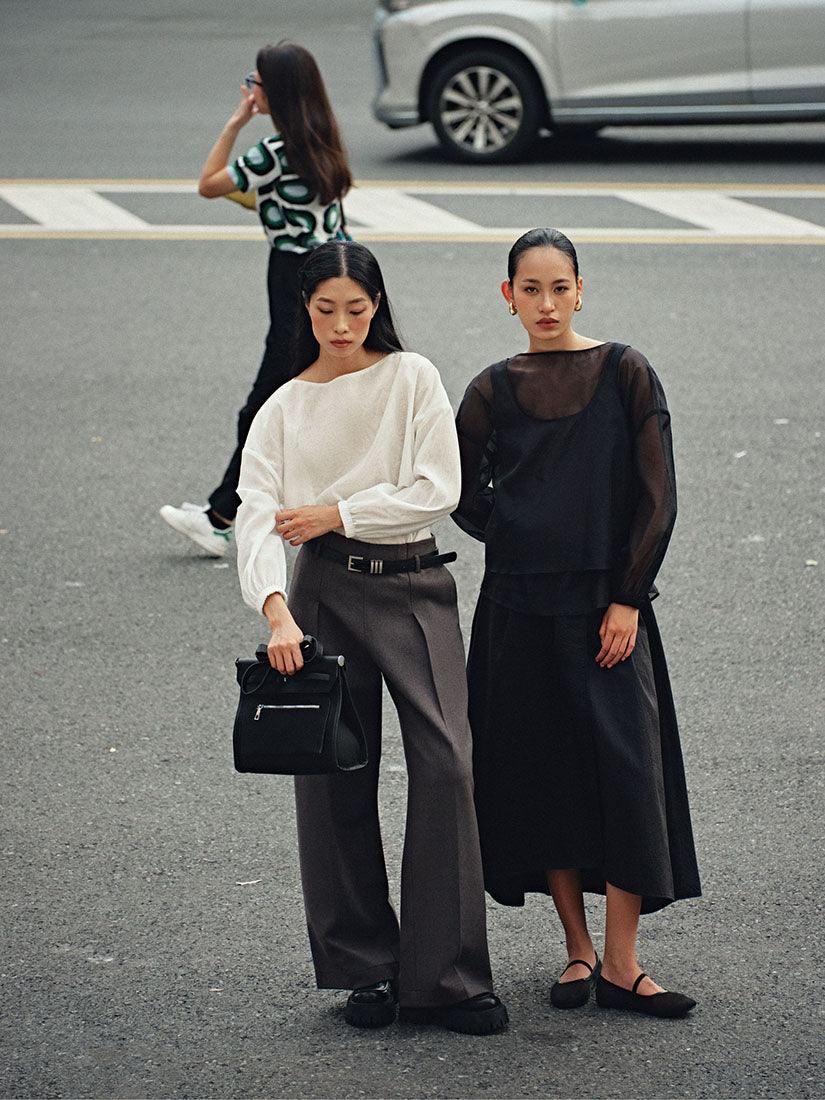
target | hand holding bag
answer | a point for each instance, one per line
(304, 724)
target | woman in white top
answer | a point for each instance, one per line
(352, 460)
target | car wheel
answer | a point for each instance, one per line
(486, 106)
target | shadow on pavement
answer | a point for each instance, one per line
(648, 146)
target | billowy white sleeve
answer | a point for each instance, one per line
(261, 558)
(389, 511)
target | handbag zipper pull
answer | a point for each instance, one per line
(258, 713)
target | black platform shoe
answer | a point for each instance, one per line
(577, 993)
(372, 1005)
(480, 1015)
(667, 1005)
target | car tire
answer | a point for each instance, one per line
(486, 106)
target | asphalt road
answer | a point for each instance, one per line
(95, 88)
(152, 933)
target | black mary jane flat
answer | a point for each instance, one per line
(577, 993)
(670, 1006)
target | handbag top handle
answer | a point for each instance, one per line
(310, 648)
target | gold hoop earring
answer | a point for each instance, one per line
(578, 305)
(512, 307)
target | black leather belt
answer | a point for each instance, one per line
(358, 563)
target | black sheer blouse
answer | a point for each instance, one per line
(556, 386)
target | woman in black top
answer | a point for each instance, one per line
(567, 477)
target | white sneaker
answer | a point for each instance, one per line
(192, 521)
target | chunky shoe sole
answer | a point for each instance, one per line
(380, 1015)
(466, 1021)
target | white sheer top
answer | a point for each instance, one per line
(380, 443)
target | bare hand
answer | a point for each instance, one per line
(245, 110)
(298, 525)
(284, 649)
(618, 634)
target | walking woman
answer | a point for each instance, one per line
(298, 176)
(567, 477)
(353, 460)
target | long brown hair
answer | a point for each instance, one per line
(303, 115)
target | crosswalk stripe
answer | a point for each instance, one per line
(722, 214)
(69, 208)
(399, 211)
(380, 208)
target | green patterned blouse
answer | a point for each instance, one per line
(293, 217)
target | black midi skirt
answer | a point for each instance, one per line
(576, 766)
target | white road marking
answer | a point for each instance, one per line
(69, 208)
(388, 211)
(722, 214)
(391, 210)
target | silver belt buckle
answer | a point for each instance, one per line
(353, 558)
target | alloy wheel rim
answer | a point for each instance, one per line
(481, 109)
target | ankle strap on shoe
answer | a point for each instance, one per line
(579, 962)
(636, 983)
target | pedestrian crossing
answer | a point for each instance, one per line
(430, 211)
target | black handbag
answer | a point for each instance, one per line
(304, 724)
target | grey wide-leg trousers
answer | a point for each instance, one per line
(402, 628)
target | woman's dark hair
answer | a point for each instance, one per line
(334, 260)
(303, 116)
(541, 238)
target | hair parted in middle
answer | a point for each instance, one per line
(335, 260)
(541, 238)
(303, 115)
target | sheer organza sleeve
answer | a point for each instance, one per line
(476, 443)
(655, 505)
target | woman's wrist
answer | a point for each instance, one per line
(275, 609)
(624, 601)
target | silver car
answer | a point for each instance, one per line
(489, 74)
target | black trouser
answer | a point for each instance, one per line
(402, 629)
(275, 368)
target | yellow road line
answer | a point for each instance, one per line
(582, 237)
(91, 183)
(480, 185)
(590, 237)
(592, 185)
(24, 233)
